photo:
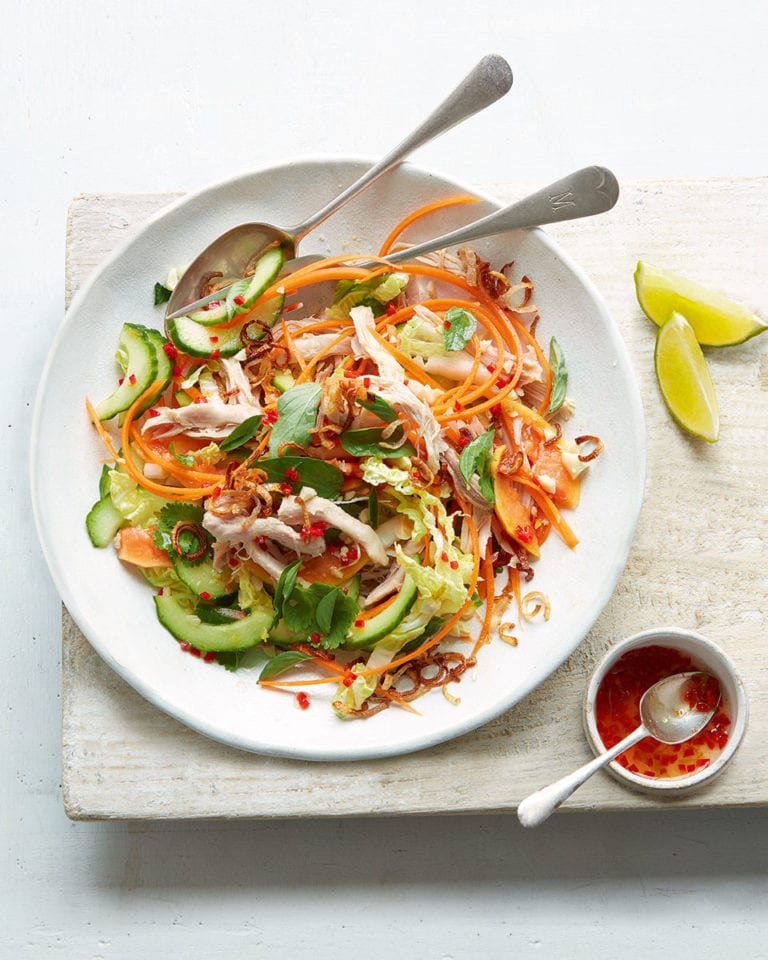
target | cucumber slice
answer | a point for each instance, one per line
(164, 366)
(283, 381)
(247, 291)
(213, 313)
(137, 356)
(186, 627)
(202, 579)
(386, 621)
(194, 338)
(265, 272)
(103, 521)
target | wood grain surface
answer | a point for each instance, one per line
(699, 561)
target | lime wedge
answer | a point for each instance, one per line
(684, 379)
(716, 320)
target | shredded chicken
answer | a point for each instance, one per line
(213, 420)
(248, 530)
(318, 508)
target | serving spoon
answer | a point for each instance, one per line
(584, 193)
(230, 254)
(668, 712)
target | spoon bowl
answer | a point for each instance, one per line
(673, 710)
(231, 253)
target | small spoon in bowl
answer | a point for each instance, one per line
(671, 711)
(230, 254)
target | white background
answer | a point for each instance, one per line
(154, 96)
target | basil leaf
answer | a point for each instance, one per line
(297, 413)
(369, 442)
(325, 478)
(324, 610)
(284, 588)
(459, 328)
(373, 508)
(162, 294)
(282, 662)
(184, 458)
(559, 376)
(241, 434)
(383, 410)
(476, 458)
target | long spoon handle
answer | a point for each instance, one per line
(484, 85)
(537, 807)
(584, 193)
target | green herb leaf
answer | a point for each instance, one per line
(459, 328)
(169, 516)
(476, 458)
(217, 615)
(298, 612)
(378, 406)
(369, 442)
(297, 413)
(373, 508)
(185, 458)
(162, 294)
(282, 662)
(559, 376)
(324, 611)
(324, 477)
(284, 588)
(320, 608)
(241, 434)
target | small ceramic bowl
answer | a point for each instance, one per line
(707, 656)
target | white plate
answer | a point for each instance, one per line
(114, 608)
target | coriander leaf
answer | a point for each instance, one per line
(169, 517)
(229, 659)
(373, 508)
(325, 478)
(282, 662)
(162, 294)
(297, 413)
(559, 376)
(458, 329)
(383, 410)
(325, 608)
(298, 611)
(369, 442)
(284, 588)
(241, 434)
(476, 457)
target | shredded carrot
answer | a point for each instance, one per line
(162, 490)
(105, 437)
(418, 214)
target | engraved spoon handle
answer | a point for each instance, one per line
(484, 85)
(584, 193)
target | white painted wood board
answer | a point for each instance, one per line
(699, 560)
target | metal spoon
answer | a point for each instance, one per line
(668, 712)
(585, 193)
(233, 250)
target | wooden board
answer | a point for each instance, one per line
(699, 560)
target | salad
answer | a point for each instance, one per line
(355, 495)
